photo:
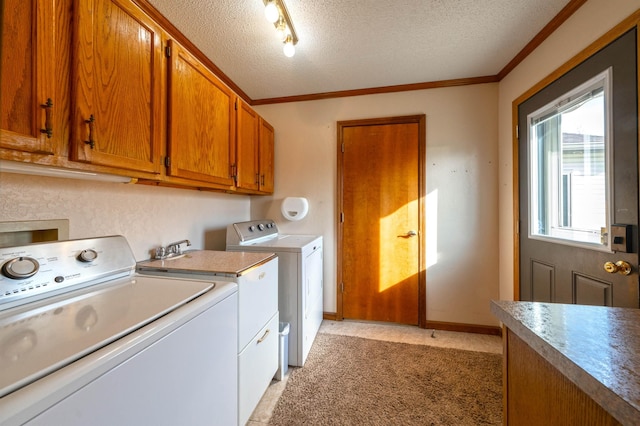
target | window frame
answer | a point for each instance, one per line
(605, 80)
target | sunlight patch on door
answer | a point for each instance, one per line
(570, 166)
(399, 254)
(432, 228)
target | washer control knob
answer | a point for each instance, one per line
(252, 228)
(261, 227)
(87, 256)
(20, 268)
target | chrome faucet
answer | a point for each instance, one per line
(170, 250)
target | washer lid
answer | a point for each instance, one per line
(41, 337)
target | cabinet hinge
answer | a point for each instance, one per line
(341, 217)
(167, 51)
(167, 161)
(342, 147)
(236, 104)
(342, 287)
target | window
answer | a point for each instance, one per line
(569, 170)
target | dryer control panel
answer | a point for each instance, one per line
(251, 232)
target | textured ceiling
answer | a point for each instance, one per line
(359, 44)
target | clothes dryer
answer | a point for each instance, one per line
(300, 278)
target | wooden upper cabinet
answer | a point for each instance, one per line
(248, 128)
(117, 86)
(28, 73)
(266, 157)
(201, 122)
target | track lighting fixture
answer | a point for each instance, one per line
(276, 12)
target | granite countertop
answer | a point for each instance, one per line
(597, 348)
(207, 261)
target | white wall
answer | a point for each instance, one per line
(147, 216)
(589, 23)
(461, 182)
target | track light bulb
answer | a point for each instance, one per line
(271, 12)
(289, 49)
(282, 30)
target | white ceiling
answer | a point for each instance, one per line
(359, 44)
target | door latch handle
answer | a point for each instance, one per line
(620, 267)
(408, 234)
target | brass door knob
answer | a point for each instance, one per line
(620, 267)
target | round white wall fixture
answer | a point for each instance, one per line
(294, 208)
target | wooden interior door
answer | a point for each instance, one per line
(381, 183)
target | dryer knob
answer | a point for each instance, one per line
(252, 228)
(261, 227)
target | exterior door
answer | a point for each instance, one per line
(578, 183)
(381, 174)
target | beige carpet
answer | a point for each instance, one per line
(355, 381)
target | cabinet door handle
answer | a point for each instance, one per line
(91, 122)
(264, 336)
(48, 120)
(262, 180)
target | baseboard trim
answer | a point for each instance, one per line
(330, 316)
(465, 328)
(441, 325)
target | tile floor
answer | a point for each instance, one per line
(386, 332)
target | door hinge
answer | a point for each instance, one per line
(341, 217)
(167, 51)
(236, 104)
(342, 147)
(341, 287)
(167, 161)
(517, 132)
(518, 228)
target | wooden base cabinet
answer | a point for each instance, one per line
(536, 393)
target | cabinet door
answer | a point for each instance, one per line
(266, 156)
(248, 127)
(117, 86)
(201, 121)
(27, 84)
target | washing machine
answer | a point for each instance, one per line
(300, 278)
